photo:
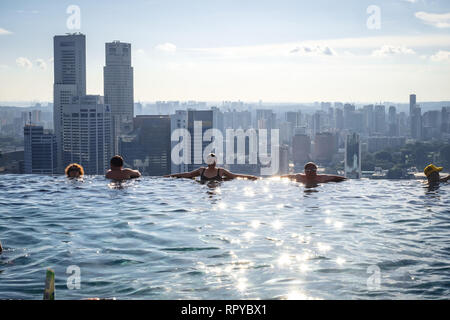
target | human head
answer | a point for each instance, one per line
(310, 169)
(116, 162)
(432, 172)
(211, 160)
(74, 170)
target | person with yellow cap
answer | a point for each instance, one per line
(432, 173)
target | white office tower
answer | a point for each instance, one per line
(118, 88)
(69, 60)
(178, 124)
(87, 134)
(353, 156)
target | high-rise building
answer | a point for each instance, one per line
(179, 121)
(39, 151)
(393, 127)
(380, 119)
(118, 88)
(416, 123)
(86, 133)
(445, 116)
(284, 160)
(352, 156)
(301, 149)
(324, 147)
(69, 60)
(412, 104)
(197, 123)
(148, 148)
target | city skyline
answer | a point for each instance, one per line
(284, 52)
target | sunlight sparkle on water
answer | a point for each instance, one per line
(323, 247)
(277, 225)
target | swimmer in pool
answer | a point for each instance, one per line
(432, 173)
(211, 173)
(117, 172)
(74, 170)
(310, 177)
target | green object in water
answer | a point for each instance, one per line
(49, 292)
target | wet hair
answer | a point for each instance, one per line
(116, 161)
(310, 164)
(74, 167)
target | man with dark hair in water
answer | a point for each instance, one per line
(117, 172)
(310, 177)
(432, 173)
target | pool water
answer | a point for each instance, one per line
(162, 238)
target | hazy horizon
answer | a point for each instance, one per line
(277, 52)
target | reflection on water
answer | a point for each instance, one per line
(155, 238)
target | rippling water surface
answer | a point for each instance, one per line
(158, 238)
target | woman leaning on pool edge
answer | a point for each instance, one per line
(211, 173)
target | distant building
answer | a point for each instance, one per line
(118, 88)
(380, 119)
(416, 123)
(284, 160)
(353, 156)
(379, 143)
(69, 65)
(301, 149)
(148, 148)
(324, 147)
(40, 156)
(87, 134)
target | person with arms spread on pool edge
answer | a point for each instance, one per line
(211, 173)
(311, 177)
(432, 173)
(117, 172)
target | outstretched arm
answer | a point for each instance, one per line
(290, 176)
(191, 174)
(133, 173)
(446, 179)
(332, 178)
(231, 175)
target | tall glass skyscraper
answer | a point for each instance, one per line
(69, 59)
(118, 88)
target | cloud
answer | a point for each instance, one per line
(314, 51)
(388, 50)
(327, 47)
(41, 64)
(24, 63)
(438, 20)
(4, 32)
(441, 56)
(166, 47)
(411, 1)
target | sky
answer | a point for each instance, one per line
(248, 50)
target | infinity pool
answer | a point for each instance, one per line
(159, 238)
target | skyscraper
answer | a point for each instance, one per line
(353, 156)
(39, 150)
(148, 148)
(412, 104)
(86, 133)
(69, 59)
(118, 88)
